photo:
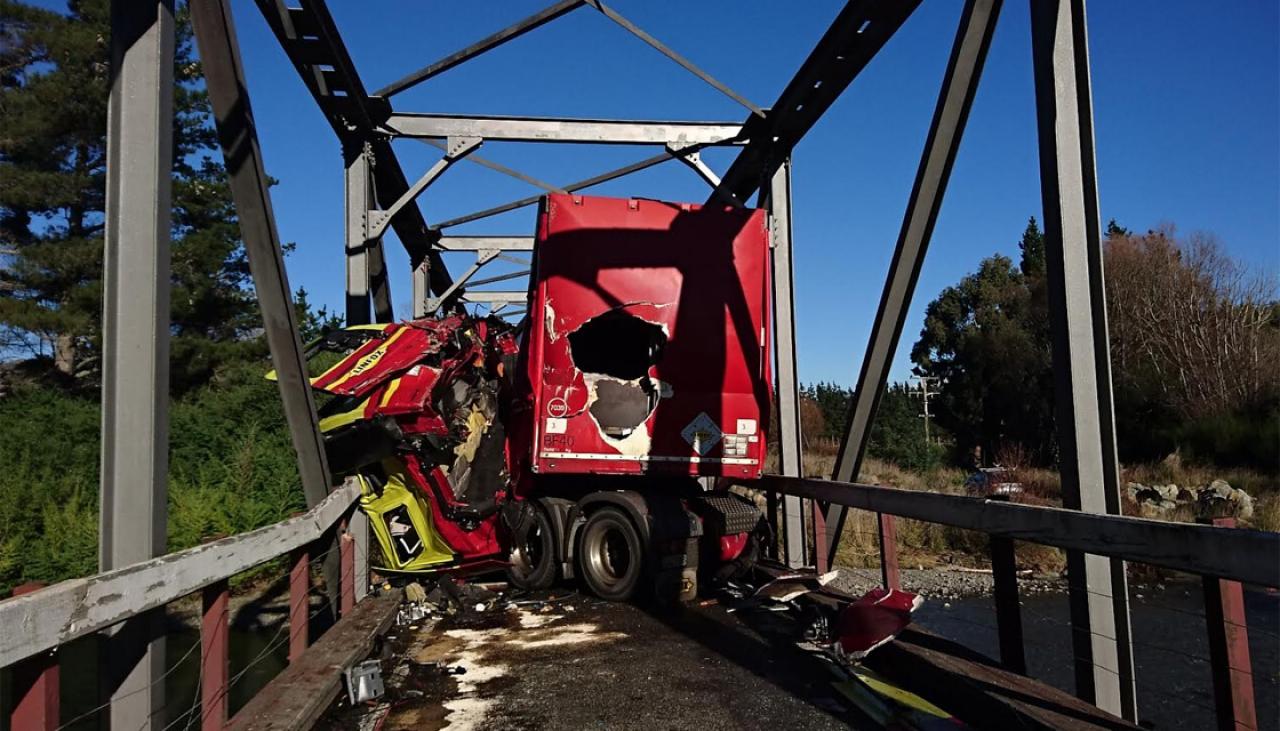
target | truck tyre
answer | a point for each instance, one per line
(610, 555)
(533, 552)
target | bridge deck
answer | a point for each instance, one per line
(576, 662)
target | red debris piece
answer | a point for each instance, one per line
(873, 620)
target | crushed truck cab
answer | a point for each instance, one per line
(569, 446)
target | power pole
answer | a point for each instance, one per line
(925, 394)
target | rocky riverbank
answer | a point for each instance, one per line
(943, 584)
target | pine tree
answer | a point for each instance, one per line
(1032, 247)
(54, 72)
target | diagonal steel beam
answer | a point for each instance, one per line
(857, 34)
(250, 189)
(511, 32)
(311, 40)
(224, 78)
(959, 85)
(662, 48)
(595, 180)
(498, 167)
(458, 148)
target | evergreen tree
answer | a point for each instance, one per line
(986, 341)
(54, 75)
(1116, 231)
(1032, 247)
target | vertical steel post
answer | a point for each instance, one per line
(1229, 660)
(36, 685)
(784, 333)
(1099, 595)
(959, 86)
(420, 289)
(135, 337)
(214, 657)
(358, 200)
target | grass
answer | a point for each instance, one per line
(929, 545)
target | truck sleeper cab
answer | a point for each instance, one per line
(645, 366)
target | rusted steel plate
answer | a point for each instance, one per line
(43, 620)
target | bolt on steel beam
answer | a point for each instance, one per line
(959, 86)
(1098, 589)
(135, 372)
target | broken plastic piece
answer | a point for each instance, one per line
(873, 620)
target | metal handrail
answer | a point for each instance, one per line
(40, 621)
(1249, 556)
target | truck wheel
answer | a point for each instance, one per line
(611, 555)
(533, 553)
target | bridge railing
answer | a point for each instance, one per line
(1223, 556)
(37, 621)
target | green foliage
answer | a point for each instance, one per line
(986, 341)
(53, 110)
(897, 435)
(834, 402)
(232, 469)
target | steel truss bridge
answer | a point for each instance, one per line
(125, 602)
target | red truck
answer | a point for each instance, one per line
(595, 439)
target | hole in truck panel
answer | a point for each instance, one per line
(615, 352)
(617, 344)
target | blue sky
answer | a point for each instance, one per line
(1187, 120)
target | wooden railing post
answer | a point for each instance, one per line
(889, 552)
(35, 685)
(347, 553)
(299, 593)
(821, 559)
(1004, 572)
(214, 664)
(1229, 661)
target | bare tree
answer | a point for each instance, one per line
(1191, 323)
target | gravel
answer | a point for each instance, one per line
(941, 583)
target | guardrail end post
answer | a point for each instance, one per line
(214, 663)
(889, 552)
(1229, 661)
(347, 554)
(299, 593)
(36, 682)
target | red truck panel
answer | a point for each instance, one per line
(648, 344)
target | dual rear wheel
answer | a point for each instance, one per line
(610, 553)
